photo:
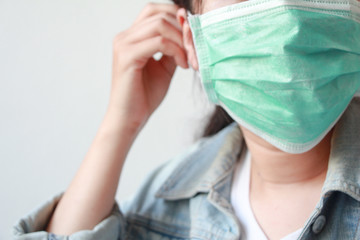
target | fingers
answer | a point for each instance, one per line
(169, 64)
(158, 26)
(156, 30)
(146, 49)
(169, 17)
(152, 9)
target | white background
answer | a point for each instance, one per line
(55, 73)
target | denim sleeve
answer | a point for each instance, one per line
(32, 227)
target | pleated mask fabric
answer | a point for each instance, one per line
(284, 69)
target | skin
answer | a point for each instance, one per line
(283, 185)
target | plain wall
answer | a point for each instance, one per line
(55, 73)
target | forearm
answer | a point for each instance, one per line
(90, 196)
(139, 84)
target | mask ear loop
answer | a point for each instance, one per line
(204, 72)
(189, 14)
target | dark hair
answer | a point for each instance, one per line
(219, 119)
(187, 4)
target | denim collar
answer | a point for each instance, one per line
(207, 165)
(213, 162)
(344, 163)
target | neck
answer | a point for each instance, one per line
(273, 166)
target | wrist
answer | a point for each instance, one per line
(120, 123)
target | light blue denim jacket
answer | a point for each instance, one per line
(189, 197)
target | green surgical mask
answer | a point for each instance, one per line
(284, 69)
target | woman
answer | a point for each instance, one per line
(288, 168)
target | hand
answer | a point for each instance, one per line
(139, 82)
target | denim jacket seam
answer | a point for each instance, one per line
(165, 190)
(218, 197)
(156, 226)
(342, 185)
(169, 182)
(203, 186)
(162, 227)
(169, 190)
(357, 228)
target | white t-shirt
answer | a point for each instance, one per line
(240, 201)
